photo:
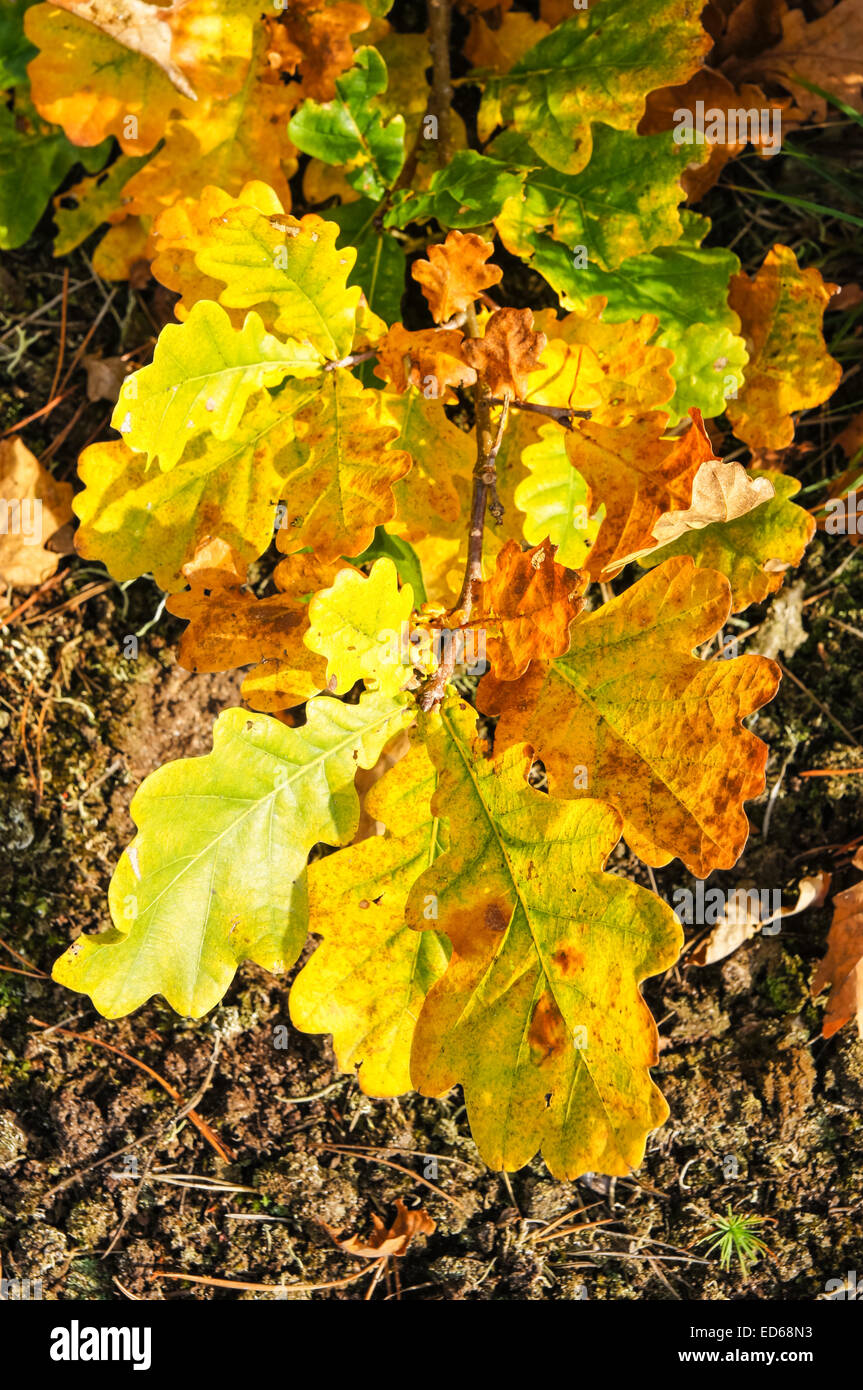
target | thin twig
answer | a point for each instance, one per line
(63, 316)
(439, 37)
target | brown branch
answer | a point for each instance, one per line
(439, 37)
(562, 413)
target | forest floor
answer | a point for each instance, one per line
(107, 1189)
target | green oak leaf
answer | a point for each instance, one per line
(599, 66)
(16, 50)
(216, 873)
(350, 131)
(686, 286)
(381, 263)
(624, 203)
(469, 192)
(203, 372)
(34, 158)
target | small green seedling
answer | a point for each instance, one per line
(735, 1235)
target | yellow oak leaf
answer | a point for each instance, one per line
(289, 270)
(357, 624)
(439, 452)
(781, 309)
(96, 78)
(184, 229)
(344, 488)
(629, 715)
(367, 979)
(538, 1014)
(136, 520)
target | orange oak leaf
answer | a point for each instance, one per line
(229, 627)
(431, 359)
(631, 717)
(638, 474)
(344, 487)
(32, 508)
(842, 967)
(456, 273)
(781, 309)
(144, 28)
(316, 44)
(496, 49)
(386, 1241)
(507, 353)
(527, 607)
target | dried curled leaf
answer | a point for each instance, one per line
(629, 715)
(753, 551)
(538, 1014)
(455, 274)
(507, 352)
(386, 1241)
(367, 979)
(721, 492)
(781, 310)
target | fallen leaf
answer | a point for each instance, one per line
(386, 1241)
(33, 506)
(827, 52)
(742, 918)
(842, 967)
(105, 376)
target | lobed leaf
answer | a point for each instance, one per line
(215, 875)
(631, 717)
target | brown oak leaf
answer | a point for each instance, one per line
(508, 352)
(842, 967)
(386, 1240)
(32, 508)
